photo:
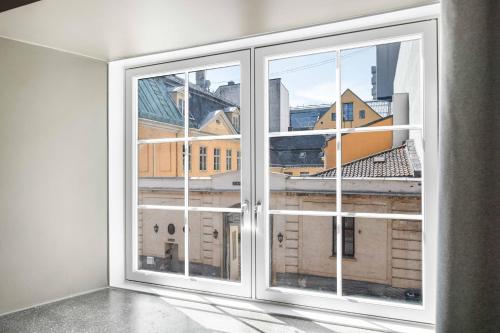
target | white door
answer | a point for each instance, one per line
(188, 132)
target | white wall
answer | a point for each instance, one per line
(53, 192)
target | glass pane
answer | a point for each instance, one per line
(160, 171)
(295, 163)
(302, 90)
(161, 240)
(381, 172)
(214, 178)
(301, 253)
(381, 85)
(161, 107)
(383, 259)
(214, 101)
(215, 245)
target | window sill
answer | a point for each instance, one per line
(358, 322)
(344, 258)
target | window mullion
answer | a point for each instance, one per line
(338, 167)
(186, 174)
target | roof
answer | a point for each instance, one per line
(383, 108)
(297, 150)
(155, 102)
(306, 117)
(400, 161)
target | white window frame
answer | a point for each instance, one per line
(117, 147)
(427, 33)
(198, 283)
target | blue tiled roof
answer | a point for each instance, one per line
(155, 102)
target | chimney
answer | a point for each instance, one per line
(200, 80)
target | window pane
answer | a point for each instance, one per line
(161, 107)
(214, 101)
(215, 245)
(302, 90)
(161, 174)
(301, 254)
(388, 261)
(381, 172)
(295, 162)
(211, 184)
(384, 82)
(161, 240)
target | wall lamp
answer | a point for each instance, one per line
(280, 237)
(155, 228)
(216, 234)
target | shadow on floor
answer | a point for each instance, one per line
(115, 310)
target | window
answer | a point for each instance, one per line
(347, 237)
(368, 172)
(229, 159)
(203, 158)
(334, 116)
(347, 111)
(217, 159)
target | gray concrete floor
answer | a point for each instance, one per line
(114, 310)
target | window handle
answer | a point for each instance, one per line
(258, 208)
(244, 206)
(244, 213)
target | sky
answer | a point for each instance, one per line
(310, 79)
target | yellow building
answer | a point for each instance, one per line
(359, 145)
(163, 118)
(356, 113)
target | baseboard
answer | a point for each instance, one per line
(54, 300)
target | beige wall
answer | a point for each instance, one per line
(386, 251)
(53, 192)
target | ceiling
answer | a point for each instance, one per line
(11, 4)
(115, 29)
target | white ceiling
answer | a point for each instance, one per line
(115, 29)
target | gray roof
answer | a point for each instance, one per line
(306, 117)
(400, 161)
(295, 151)
(383, 108)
